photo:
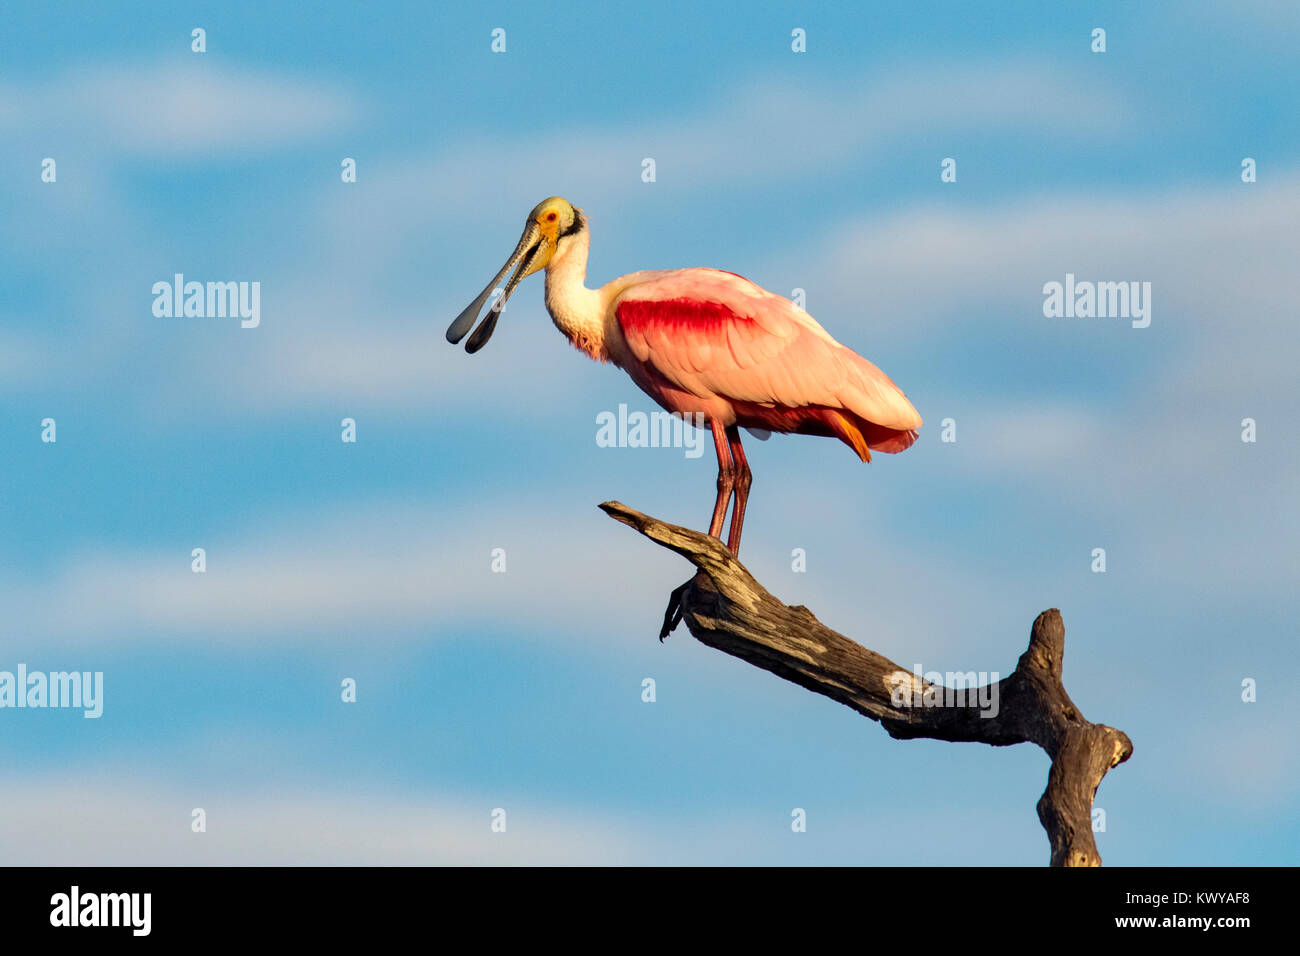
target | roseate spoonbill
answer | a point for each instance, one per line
(705, 342)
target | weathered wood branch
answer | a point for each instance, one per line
(724, 607)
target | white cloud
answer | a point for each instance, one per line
(88, 821)
(1215, 253)
(370, 342)
(417, 571)
(1151, 455)
(97, 820)
(19, 359)
(751, 133)
(175, 109)
(1217, 258)
(329, 574)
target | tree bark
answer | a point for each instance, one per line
(726, 608)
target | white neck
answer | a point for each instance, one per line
(575, 309)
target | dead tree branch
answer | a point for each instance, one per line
(725, 608)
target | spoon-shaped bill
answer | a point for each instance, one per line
(489, 324)
(483, 332)
(456, 331)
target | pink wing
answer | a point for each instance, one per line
(711, 333)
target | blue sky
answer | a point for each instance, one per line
(521, 690)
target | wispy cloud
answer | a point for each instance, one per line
(1215, 253)
(175, 110)
(119, 823)
(319, 575)
(104, 820)
(752, 132)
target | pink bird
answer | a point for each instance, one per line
(708, 343)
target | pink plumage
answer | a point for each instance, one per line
(705, 342)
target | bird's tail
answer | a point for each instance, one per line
(865, 436)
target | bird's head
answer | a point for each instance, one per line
(549, 225)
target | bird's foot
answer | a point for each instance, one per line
(673, 614)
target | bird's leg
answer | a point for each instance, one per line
(726, 479)
(743, 480)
